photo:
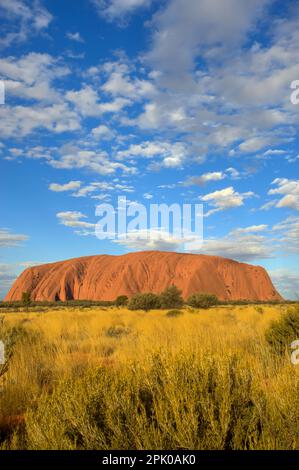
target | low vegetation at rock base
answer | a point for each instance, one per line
(202, 300)
(113, 378)
(284, 331)
(147, 301)
(121, 301)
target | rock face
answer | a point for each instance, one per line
(104, 277)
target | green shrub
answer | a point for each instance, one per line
(145, 302)
(202, 300)
(117, 331)
(26, 299)
(174, 313)
(284, 331)
(121, 300)
(171, 297)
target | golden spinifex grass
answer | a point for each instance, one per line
(116, 379)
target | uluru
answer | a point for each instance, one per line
(104, 277)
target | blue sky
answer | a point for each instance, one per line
(161, 102)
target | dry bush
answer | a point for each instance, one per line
(104, 379)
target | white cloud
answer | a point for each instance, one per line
(85, 100)
(88, 102)
(118, 9)
(23, 120)
(171, 155)
(103, 132)
(288, 234)
(8, 239)
(225, 199)
(75, 37)
(31, 18)
(31, 76)
(292, 159)
(7, 277)
(240, 246)
(275, 152)
(153, 239)
(201, 180)
(190, 27)
(239, 96)
(103, 186)
(233, 173)
(70, 156)
(237, 245)
(71, 186)
(254, 144)
(28, 264)
(205, 178)
(73, 219)
(286, 282)
(290, 191)
(251, 229)
(120, 83)
(268, 205)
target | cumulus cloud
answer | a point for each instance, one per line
(31, 18)
(169, 155)
(208, 177)
(290, 191)
(102, 132)
(119, 82)
(239, 96)
(31, 76)
(205, 178)
(254, 144)
(190, 27)
(23, 120)
(88, 102)
(153, 239)
(225, 199)
(246, 247)
(119, 9)
(255, 243)
(71, 156)
(240, 245)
